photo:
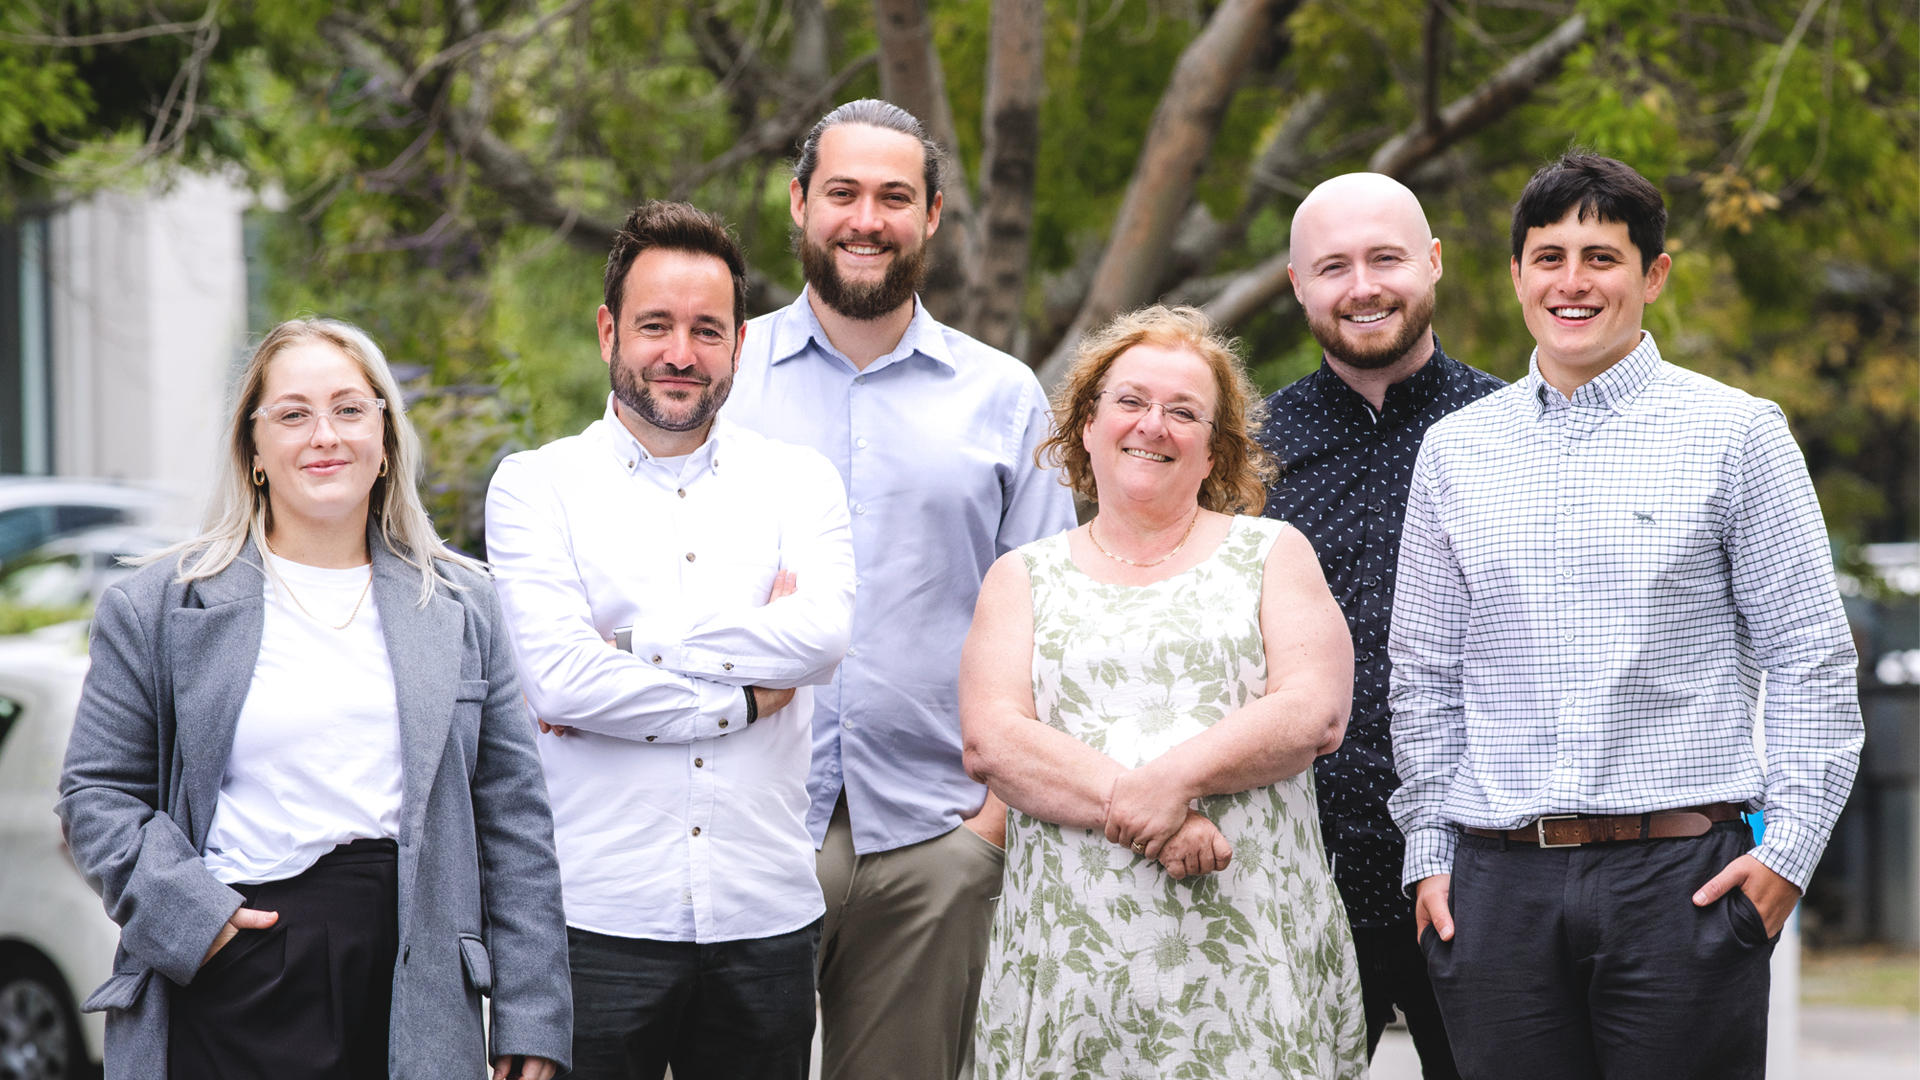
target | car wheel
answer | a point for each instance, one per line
(39, 1030)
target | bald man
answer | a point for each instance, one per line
(1364, 265)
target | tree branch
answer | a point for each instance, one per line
(912, 78)
(1016, 81)
(1251, 292)
(775, 134)
(1492, 99)
(1177, 145)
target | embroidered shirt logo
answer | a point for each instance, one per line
(1642, 515)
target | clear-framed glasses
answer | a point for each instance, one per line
(295, 419)
(1131, 404)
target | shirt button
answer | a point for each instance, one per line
(682, 493)
(696, 830)
(1567, 637)
(1566, 760)
(723, 723)
(650, 738)
(1369, 583)
(1566, 571)
(656, 659)
(851, 651)
(1566, 510)
(858, 509)
(861, 379)
(727, 666)
(861, 443)
(689, 556)
(699, 762)
(629, 464)
(848, 724)
(1567, 701)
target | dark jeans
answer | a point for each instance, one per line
(731, 1010)
(1393, 972)
(1589, 962)
(307, 998)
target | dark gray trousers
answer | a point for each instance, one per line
(1592, 962)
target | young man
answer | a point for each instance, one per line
(670, 580)
(1364, 264)
(933, 434)
(1603, 568)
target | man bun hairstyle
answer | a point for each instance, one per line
(1601, 187)
(872, 112)
(674, 226)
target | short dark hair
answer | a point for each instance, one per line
(1600, 186)
(674, 226)
(871, 112)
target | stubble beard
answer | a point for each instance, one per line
(1417, 322)
(864, 302)
(631, 390)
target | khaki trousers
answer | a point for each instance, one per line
(902, 949)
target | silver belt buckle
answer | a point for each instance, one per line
(1540, 829)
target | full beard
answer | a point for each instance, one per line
(1331, 334)
(864, 302)
(631, 391)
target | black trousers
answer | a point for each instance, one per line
(1590, 962)
(730, 1010)
(307, 998)
(1393, 972)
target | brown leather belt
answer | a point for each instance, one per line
(1572, 830)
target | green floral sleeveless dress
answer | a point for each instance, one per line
(1102, 966)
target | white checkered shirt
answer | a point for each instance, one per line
(1588, 593)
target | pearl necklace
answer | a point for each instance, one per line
(1121, 558)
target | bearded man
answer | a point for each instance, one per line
(933, 434)
(1364, 265)
(676, 586)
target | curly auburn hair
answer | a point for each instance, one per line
(1242, 469)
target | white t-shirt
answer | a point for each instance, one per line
(316, 754)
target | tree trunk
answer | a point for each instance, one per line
(1176, 150)
(1016, 80)
(911, 77)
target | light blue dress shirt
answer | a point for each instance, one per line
(935, 443)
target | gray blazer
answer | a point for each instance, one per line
(479, 885)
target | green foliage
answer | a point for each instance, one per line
(1793, 226)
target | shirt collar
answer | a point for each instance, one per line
(1411, 394)
(796, 326)
(632, 456)
(1613, 389)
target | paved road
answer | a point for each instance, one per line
(1835, 1044)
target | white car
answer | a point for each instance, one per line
(35, 509)
(56, 942)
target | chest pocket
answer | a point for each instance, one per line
(468, 700)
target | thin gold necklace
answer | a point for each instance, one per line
(356, 604)
(1121, 558)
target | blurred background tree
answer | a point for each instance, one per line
(447, 173)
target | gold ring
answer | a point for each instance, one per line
(1140, 845)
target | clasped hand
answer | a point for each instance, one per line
(1154, 817)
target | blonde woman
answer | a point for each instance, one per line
(1148, 693)
(302, 776)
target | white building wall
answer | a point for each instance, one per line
(149, 301)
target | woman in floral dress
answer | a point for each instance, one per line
(1148, 692)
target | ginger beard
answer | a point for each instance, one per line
(633, 392)
(1331, 333)
(864, 301)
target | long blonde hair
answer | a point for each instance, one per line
(240, 510)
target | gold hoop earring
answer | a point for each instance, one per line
(259, 477)
(383, 466)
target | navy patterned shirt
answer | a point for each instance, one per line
(1345, 472)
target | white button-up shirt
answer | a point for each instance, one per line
(1590, 594)
(674, 819)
